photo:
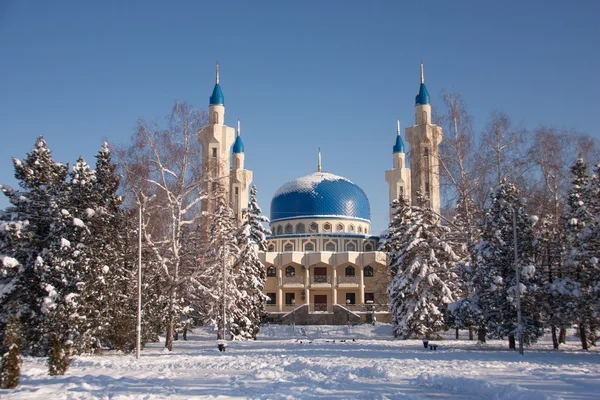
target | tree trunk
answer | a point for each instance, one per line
(511, 342)
(470, 333)
(456, 333)
(583, 336)
(555, 342)
(169, 338)
(185, 333)
(481, 334)
(176, 336)
(562, 336)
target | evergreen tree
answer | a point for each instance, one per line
(389, 241)
(494, 278)
(250, 272)
(581, 259)
(10, 366)
(423, 284)
(28, 232)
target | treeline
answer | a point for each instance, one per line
(69, 247)
(504, 186)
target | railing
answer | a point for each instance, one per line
(353, 280)
(323, 279)
(293, 280)
(271, 307)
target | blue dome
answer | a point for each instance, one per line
(423, 96)
(399, 146)
(320, 194)
(217, 98)
(238, 145)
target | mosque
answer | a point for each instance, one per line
(322, 262)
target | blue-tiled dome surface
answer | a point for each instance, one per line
(320, 194)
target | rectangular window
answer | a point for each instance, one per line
(214, 152)
(370, 297)
(351, 297)
(272, 298)
(290, 299)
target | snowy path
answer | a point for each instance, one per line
(276, 367)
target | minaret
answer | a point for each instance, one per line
(398, 178)
(240, 178)
(424, 139)
(216, 139)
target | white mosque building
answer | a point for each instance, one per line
(322, 262)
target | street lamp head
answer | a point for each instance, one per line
(293, 301)
(348, 301)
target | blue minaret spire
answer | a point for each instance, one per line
(423, 96)
(217, 98)
(238, 145)
(399, 145)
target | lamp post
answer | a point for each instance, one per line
(294, 315)
(138, 345)
(348, 313)
(518, 283)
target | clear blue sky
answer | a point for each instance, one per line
(299, 74)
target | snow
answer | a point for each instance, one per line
(9, 262)
(78, 222)
(308, 183)
(287, 364)
(64, 243)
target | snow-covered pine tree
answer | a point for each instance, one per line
(10, 366)
(559, 291)
(389, 241)
(27, 230)
(71, 306)
(217, 280)
(250, 274)
(115, 288)
(424, 282)
(579, 263)
(494, 278)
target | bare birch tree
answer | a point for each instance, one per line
(165, 163)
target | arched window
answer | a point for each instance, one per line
(288, 247)
(350, 247)
(314, 227)
(237, 163)
(368, 247)
(290, 271)
(368, 271)
(309, 247)
(215, 117)
(279, 230)
(271, 272)
(271, 248)
(340, 228)
(289, 229)
(360, 229)
(327, 227)
(330, 246)
(300, 228)
(350, 271)
(424, 117)
(351, 229)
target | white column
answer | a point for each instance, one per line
(334, 286)
(307, 284)
(361, 285)
(279, 289)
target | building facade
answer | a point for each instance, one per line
(322, 262)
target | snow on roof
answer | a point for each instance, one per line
(307, 183)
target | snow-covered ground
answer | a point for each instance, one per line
(285, 364)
